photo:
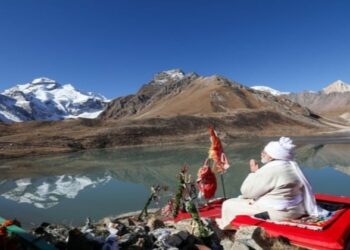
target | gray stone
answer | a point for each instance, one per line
(173, 240)
(155, 223)
(127, 222)
(226, 244)
(238, 246)
(128, 239)
(177, 239)
(250, 236)
(183, 234)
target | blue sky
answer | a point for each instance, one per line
(114, 46)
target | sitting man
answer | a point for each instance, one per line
(278, 188)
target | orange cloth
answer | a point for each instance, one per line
(216, 152)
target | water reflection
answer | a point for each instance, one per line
(97, 183)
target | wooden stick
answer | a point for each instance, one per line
(223, 184)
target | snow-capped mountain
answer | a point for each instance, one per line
(165, 76)
(337, 86)
(332, 101)
(49, 191)
(269, 90)
(45, 99)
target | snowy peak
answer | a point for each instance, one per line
(168, 75)
(337, 86)
(43, 80)
(269, 90)
(42, 83)
(37, 84)
(45, 99)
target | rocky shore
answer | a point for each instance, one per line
(153, 232)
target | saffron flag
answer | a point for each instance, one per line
(216, 152)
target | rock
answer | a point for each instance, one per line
(154, 223)
(177, 239)
(184, 225)
(239, 246)
(76, 240)
(144, 242)
(174, 240)
(39, 230)
(45, 224)
(126, 221)
(56, 234)
(122, 229)
(250, 236)
(190, 243)
(161, 233)
(127, 240)
(227, 244)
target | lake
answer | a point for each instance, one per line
(97, 183)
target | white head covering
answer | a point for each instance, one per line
(281, 150)
(284, 150)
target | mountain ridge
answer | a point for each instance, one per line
(333, 101)
(173, 107)
(193, 95)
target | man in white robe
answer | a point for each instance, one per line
(278, 188)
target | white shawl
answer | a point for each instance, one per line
(309, 197)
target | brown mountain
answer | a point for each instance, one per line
(213, 97)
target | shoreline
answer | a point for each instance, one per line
(336, 137)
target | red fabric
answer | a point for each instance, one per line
(206, 181)
(3, 234)
(336, 234)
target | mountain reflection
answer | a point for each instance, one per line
(47, 192)
(321, 155)
(45, 181)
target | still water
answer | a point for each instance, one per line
(69, 188)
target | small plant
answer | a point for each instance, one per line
(179, 193)
(155, 197)
(186, 195)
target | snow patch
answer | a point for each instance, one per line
(270, 90)
(43, 80)
(168, 75)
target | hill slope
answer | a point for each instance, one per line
(205, 97)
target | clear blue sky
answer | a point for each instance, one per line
(114, 46)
